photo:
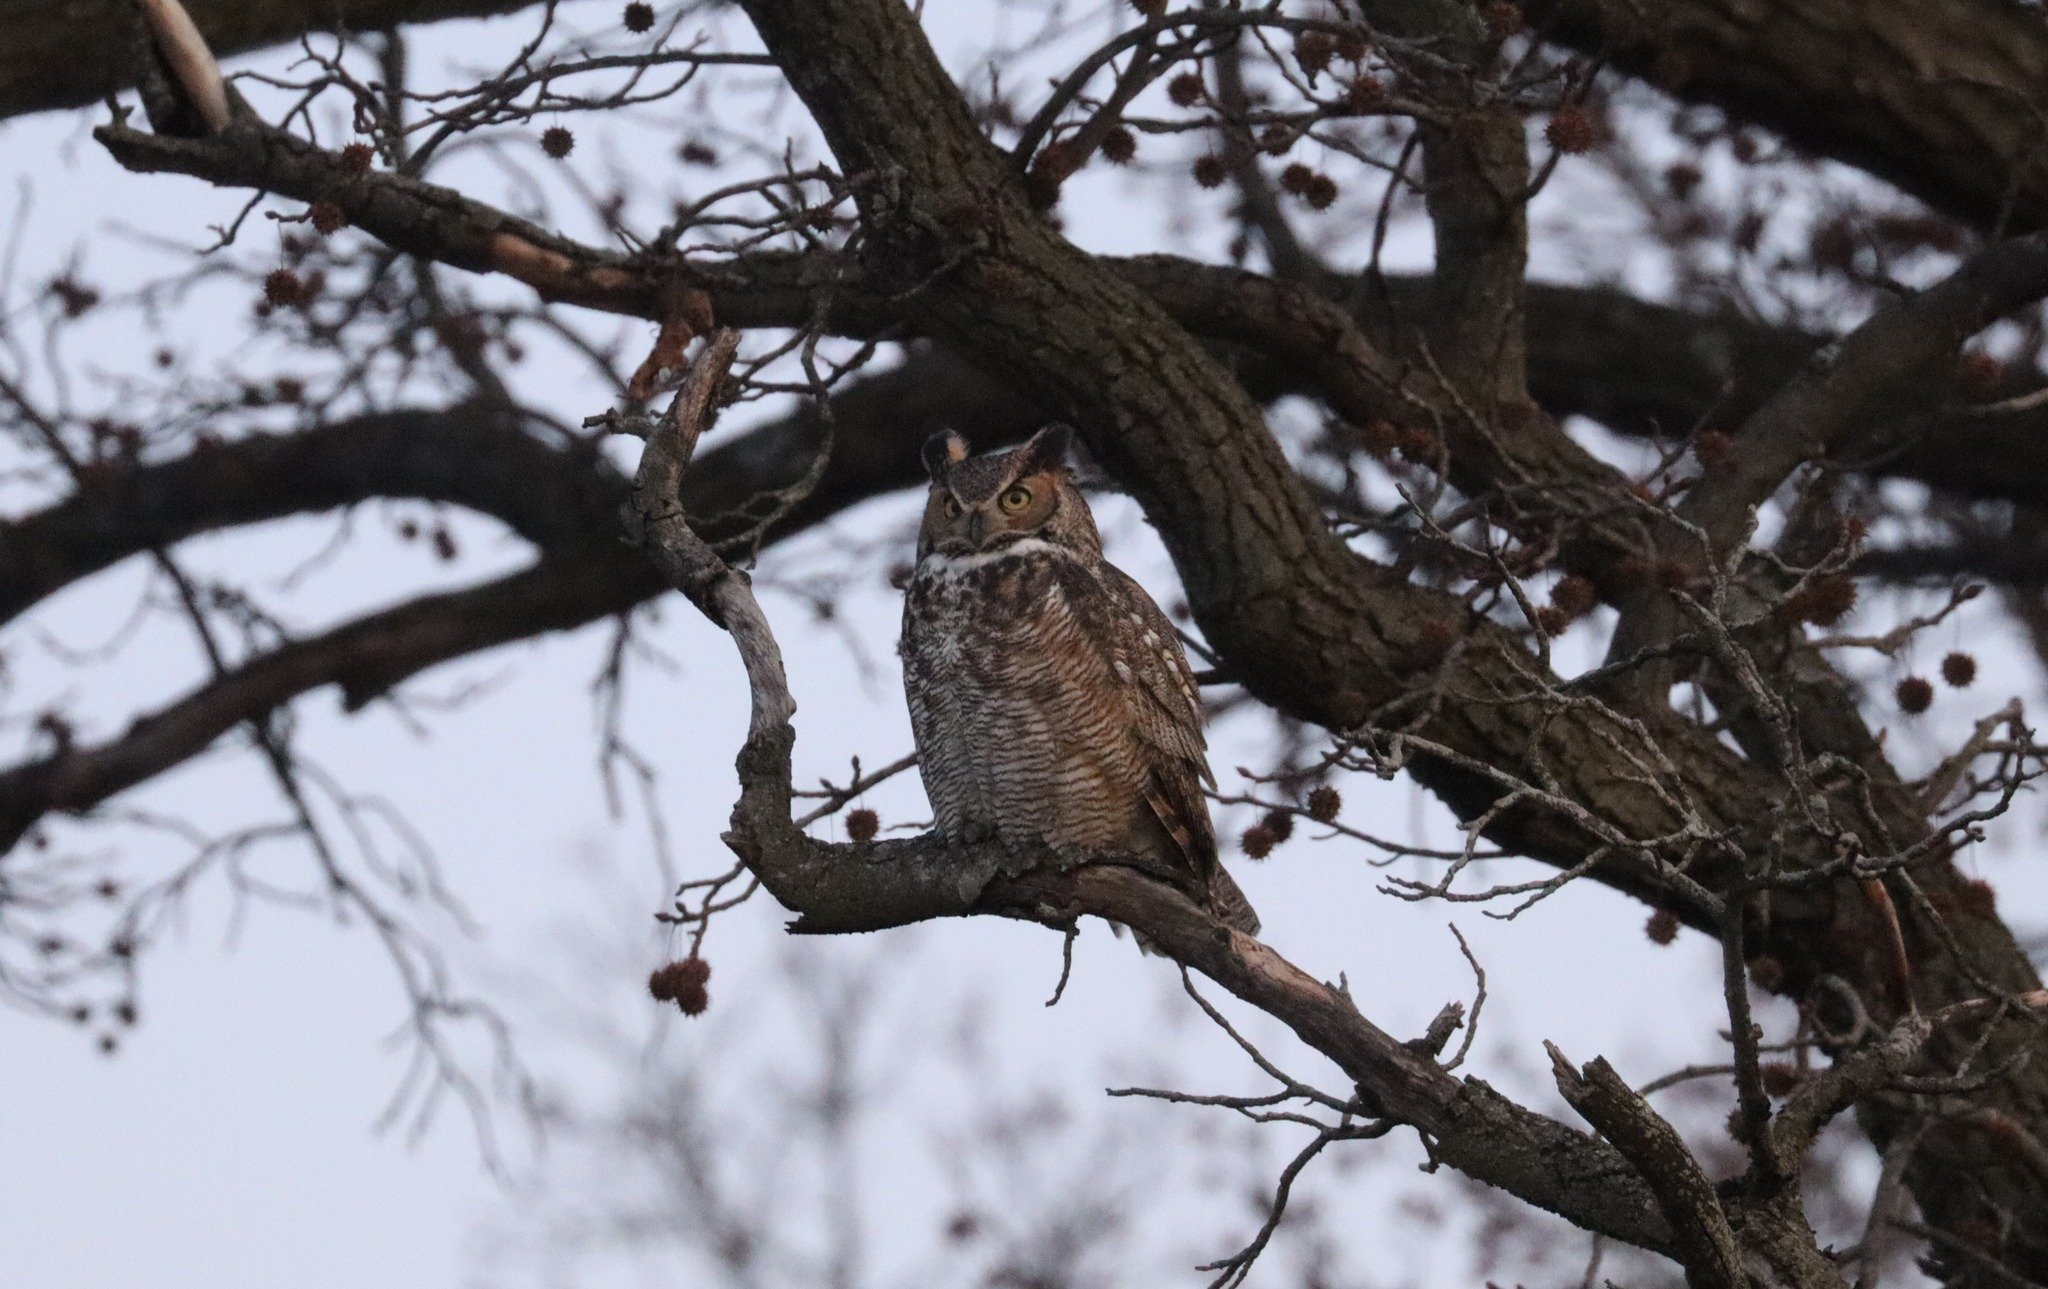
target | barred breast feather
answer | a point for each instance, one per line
(1052, 703)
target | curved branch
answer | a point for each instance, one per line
(470, 455)
(365, 658)
(44, 64)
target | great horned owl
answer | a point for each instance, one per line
(1049, 695)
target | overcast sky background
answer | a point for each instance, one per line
(230, 1142)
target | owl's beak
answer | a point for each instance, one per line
(977, 528)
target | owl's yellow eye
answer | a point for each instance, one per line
(1015, 499)
(950, 506)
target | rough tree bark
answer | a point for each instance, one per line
(45, 64)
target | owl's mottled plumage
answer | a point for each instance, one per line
(1050, 696)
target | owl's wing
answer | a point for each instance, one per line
(1166, 711)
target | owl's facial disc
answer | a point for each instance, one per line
(1017, 509)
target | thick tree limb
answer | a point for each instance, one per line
(365, 658)
(71, 53)
(1944, 98)
(1593, 351)
(1893, 360)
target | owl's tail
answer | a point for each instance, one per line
(1225, 900)
(1228, 903)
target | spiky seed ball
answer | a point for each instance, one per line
(1977, 897)
(1324, 803)
(327, 218)
(1767, 972)
(1826, 601)
(1503, 19)
(1352, 46)
(1670, 69)
(1573, 130)
(1979, 373)
(1322, 192)
(1959, 669)
(125, 1012)
(1435, 638)
(1552, 620)
(1312, 52)
(1713, 447)
(1832, 245)
(1662, 928)
(698, 154)
(682, 983)
(661, 983)
(1419, 444)
(282, 288)
(1041, 190)
(1119, 146)
(1364, 93)
(692, 1000)
(1258, 841)
(862, 825)
(1149, 8)
(1186, 89)
(1275, 140)
(1915, 695)
(1280, 823)
(639, 17)
(1379, 438)
(1296, 178)
(557, 142)
(1209, 170)
(1782, 1078)
(1681, 178)
(356, 158)
(1057, 161)
(1575, 596)
(1630, 571)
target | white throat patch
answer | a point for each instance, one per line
(939, 564)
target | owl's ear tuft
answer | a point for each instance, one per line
(1046, 450)
(941, 451)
